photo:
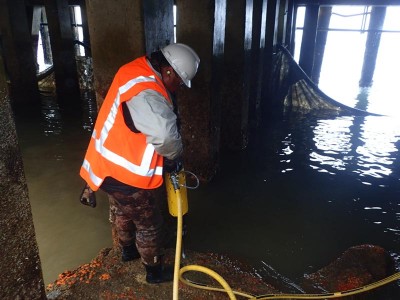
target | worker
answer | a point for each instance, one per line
(135, 139)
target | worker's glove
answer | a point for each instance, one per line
(173, 165)
(88, 197)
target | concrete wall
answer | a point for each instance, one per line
(116, 35)
(20, 268)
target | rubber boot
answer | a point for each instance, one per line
(130, 253)
(158, 274)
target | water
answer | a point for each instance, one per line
(304, 192)
(68, 233)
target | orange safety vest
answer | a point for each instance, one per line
(114, 150)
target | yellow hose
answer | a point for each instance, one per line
(335, 295)
(178, 248)
(178, 275)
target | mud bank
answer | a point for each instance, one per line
(107, 277)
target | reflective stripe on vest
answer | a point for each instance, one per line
(144, 168)
(95, 179)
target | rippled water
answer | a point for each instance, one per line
(309, 189)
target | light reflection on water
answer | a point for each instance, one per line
(368, 151)
(366, 148)
(373, 156)
(51, 115)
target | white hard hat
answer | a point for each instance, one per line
(183, 59)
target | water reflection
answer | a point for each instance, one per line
(89, 108)
(364, 146)
(51, 115)
(333, 144)
(53, 118)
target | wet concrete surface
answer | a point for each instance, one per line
(20, 268)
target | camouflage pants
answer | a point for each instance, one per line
(138, 218)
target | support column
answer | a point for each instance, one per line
(290, 26)
(85, 28)
(378, 14)
(262, 62)
(257, 67)
(276, 37)
(270, 41)
(293, 29)
(20, 268)
(158, 24)
(201, 25)
(236, 78)
(324, 19)
(63, 50)
(306, 60)
(282, 22)
(18, 54)
(44, 32)
(117, 37)
(34, 17)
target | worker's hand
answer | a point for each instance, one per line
(175, 165)
(88, 197)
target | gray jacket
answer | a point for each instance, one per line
(154, 116)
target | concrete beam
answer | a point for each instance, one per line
(347, 2)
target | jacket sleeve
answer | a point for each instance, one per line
(153, 115)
